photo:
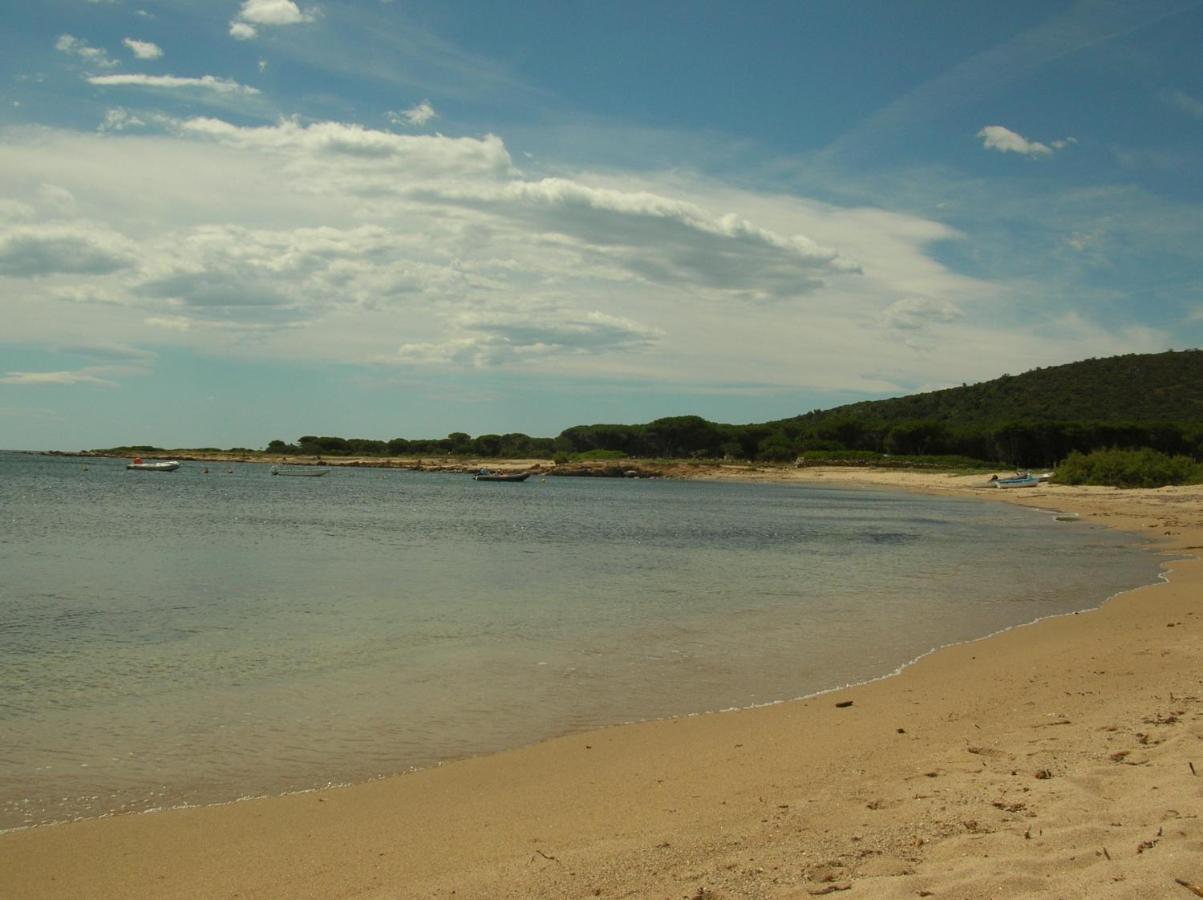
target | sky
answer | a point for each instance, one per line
(224, 222)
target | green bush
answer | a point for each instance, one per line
(885, 460)
(598, 454)
(1128, 468)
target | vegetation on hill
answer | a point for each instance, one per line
(1039, 418)
(1137, 387)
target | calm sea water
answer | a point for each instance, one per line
(193, 638)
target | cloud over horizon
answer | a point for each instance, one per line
(1004, 140)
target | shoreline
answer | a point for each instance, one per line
(545, 820)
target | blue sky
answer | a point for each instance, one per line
(229, 221)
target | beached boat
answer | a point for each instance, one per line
(490, 475)
(300, 472)
(162, 466)
(1018, 481)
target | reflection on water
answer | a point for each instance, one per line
(190, 637)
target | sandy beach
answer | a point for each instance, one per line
(1060, 759)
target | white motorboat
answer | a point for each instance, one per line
(166, 465)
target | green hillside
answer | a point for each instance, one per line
(1038, 418)
(1137, 387)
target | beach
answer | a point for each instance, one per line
(1061, 759)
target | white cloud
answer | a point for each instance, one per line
(658, 239)
(1004, 140)
(119, 118)
(266, 12)
(143, 49)
(917, 320)
(338, 156)
(419, 114)
(55, 201)
(171, 323)
(273, 12)
(331, 242)
(81, 376)
(34, 251)
(112, 352)
(171, 82)
(508, 337)
(73, 46)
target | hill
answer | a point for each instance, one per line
(1035, 419)
(1137, 387)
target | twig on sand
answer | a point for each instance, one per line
(545, 856)
(1190, 886)
(831, 889)
(1192, 768)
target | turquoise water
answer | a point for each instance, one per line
(194, 638)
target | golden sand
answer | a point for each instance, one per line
(1061, 759)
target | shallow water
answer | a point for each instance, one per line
(192, 638)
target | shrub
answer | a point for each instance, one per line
(1128, 468)
(598, 454)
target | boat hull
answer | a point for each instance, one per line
(1030, 481)
(154, 467)
(520, 476)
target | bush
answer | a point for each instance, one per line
(1128, 468)
(598, 454)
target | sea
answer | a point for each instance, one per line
(209, 635)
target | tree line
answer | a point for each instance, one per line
(1018, 443)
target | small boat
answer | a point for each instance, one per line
(162, 466)
(1025, 479)
(300, 472)
(490, 475)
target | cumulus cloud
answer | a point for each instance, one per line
(916, 313)
(661, 239)
(173, 82)
(81, 376)
(266, 12)
(40, 250)
(419, 114)
(412, 250)
(1004, 140)
(143, 49)
(113, 352)
(616, 234)
(56, 201)
(170, 323)
(73, 46)
(337, 153)
(119, 118)
(499, 338)
(273, 12)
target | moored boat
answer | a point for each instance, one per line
(300, 472)
(490, 475)
(167, 465)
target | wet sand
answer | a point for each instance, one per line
(1062, 759)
